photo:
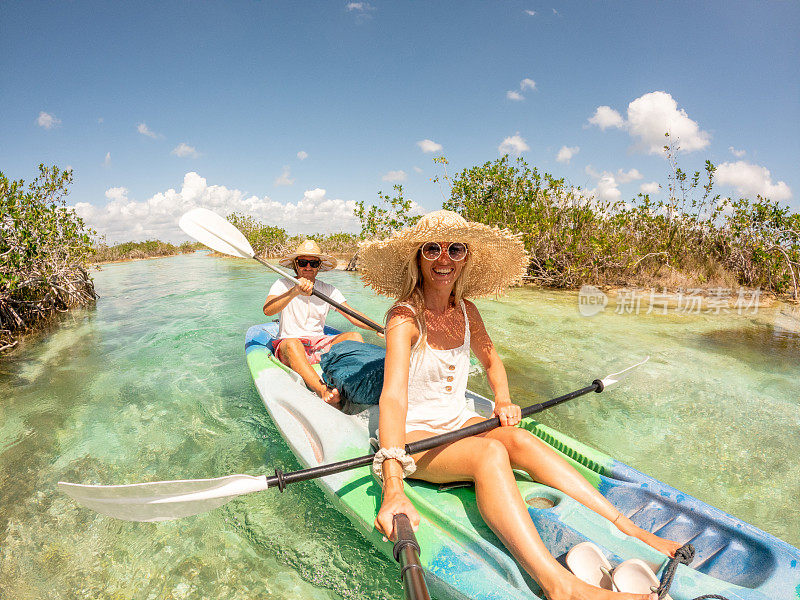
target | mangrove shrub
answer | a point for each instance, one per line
(44, 248)
(692, 235)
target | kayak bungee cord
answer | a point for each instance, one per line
(683, 555)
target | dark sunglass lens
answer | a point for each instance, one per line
(431, 250)
(304, 262)
(457, 251)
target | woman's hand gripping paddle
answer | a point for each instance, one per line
(218, 234)
(166, 500)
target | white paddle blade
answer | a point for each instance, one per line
(162, 500)
(215, 232)
(625, 373)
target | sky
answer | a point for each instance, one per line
(293, 111)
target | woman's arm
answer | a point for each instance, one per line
(482, 346)
(400, 334)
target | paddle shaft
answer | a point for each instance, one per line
(321, 296)
(406, 552)
(280, 479)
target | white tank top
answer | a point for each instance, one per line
(437, 382)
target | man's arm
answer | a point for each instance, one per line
(275, 303)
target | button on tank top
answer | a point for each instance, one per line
(437, 383)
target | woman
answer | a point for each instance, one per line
(430, 269)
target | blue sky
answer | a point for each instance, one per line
(292, 111)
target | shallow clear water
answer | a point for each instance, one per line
(152, 384)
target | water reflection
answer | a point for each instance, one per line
(153, 385)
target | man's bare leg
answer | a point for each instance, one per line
(294, 353)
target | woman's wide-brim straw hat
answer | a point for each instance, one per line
(498, 258)
(309, 248)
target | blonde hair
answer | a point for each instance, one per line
(411, 295)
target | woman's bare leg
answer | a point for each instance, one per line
(486, 462)
(529, 453)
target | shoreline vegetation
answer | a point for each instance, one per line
(691, 240)
(103, 253)
(44, 248)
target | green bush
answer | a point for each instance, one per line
(266, 240)
(692, 235)
(44, 247)
(138, 250)
(378, 222)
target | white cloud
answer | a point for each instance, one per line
(47, 120)
(359, 6)
(607, 187)
(525, 84)
(418, 170)
(362, 10)
(651, 116)
(429, 146)
(654, 114)
(650, 188)
(145, 130)
(121, 219)
(605, 117)
(395, 176)
(751, 180)
(184, 150)
(566, 153)
(531, 13)
(107, 161)
(627, 177)
(284, 178)
(302, 155)
(117, 193)
(737, 153)
(514, 144)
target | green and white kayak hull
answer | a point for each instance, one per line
(461, 555)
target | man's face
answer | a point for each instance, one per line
(304, 266)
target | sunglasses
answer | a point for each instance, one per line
(314, 263)
(455, 250)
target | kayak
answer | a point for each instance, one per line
(461, 556)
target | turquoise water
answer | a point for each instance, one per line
(152, 384)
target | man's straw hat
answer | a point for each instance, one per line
(309, 248)
(497, 256)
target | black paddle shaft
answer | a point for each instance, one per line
(406, 552)
(329, 300)
(280, 479)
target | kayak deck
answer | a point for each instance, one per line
(462, 556)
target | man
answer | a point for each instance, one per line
(301, 339)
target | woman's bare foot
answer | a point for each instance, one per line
(625, 525)
(569, 587)
(328, 394)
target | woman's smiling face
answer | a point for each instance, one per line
(443, 272)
